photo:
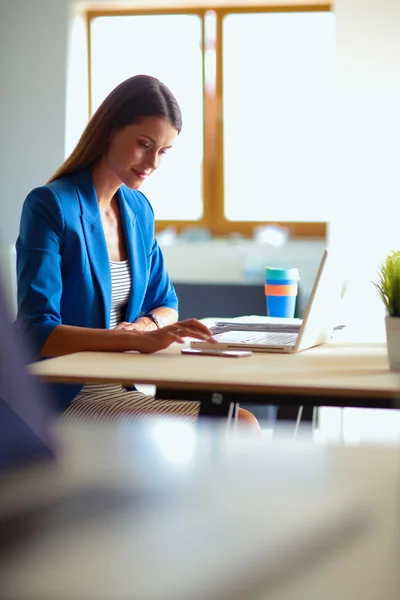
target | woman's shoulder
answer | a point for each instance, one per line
(61, 195)
(52, 191)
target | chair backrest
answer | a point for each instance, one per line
(25, 410)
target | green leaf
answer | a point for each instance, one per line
(388, 283)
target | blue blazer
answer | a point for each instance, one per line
(63, 268)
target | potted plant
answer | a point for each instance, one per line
(388, 286)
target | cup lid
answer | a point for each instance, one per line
(274, 273)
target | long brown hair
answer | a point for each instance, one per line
(138, 96)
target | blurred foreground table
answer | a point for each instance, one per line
(202, 513)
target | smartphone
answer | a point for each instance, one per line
(217, 352)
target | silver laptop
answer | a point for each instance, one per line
(320, 318)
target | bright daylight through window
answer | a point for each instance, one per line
(255, 90)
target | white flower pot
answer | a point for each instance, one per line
(393, 342)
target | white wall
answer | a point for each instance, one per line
(366, 217)
(33, 50)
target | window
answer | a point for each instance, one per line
(254, 85)
(168, 47)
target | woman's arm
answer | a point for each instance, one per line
(66, 339)
(160, 298)
(166, 316)
(39, 281)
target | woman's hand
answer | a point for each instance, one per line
(141, 324)
(152, 341)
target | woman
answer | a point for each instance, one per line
(91, 275)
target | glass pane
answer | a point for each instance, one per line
(278, 84)
(169, 48)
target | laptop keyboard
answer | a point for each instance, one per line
(269, 339)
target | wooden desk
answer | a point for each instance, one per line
(352, 375)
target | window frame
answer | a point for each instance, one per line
(213, 218)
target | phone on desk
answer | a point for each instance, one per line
(217, 352)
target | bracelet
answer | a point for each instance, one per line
(156, 320)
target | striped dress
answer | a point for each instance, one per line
(113, 402)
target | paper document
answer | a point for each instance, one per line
(257, 323)
(260, 323)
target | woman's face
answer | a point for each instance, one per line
(135, 151)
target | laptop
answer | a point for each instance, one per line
(316, 328)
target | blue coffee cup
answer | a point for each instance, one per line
(281, 289)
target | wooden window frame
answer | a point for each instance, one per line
(213, 218)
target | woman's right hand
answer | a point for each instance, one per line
(152, 341)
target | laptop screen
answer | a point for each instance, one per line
(25, 414)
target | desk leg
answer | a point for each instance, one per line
(290, 413)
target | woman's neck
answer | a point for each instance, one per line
(105, 182)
